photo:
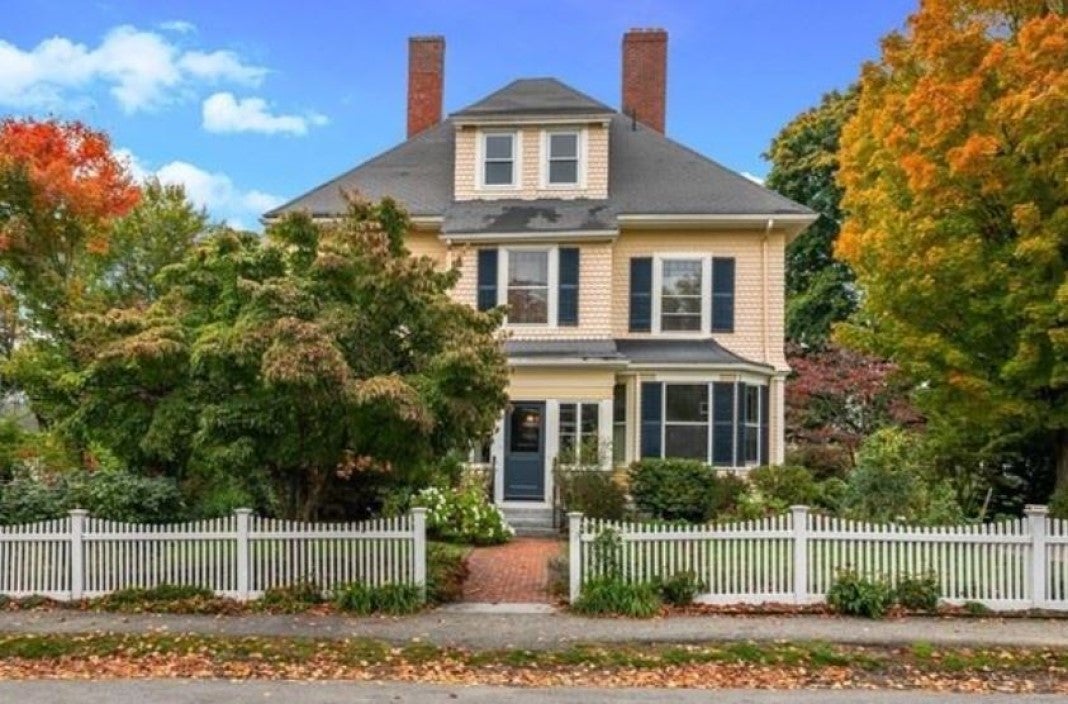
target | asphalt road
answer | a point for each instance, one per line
(198, 691)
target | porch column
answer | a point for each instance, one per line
(604, 432)
(497, 459)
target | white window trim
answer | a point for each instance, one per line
(554, 283)
(706, 294)
(582, 154)
(745, 422)
(517, 160)
(604, 409)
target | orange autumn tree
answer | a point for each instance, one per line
(955, 170)
(61, 188)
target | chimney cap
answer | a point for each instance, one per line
(427, 38)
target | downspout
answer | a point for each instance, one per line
(765, 314)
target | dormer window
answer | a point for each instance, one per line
(498, 159)
(562, 152)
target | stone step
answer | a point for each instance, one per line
(530, 521)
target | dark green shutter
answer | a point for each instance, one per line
(765, 397)
(739, 442)
(722, 294)
(723, 424)
(568, 300)
(487, 279)
(651, 418)
(641, 294)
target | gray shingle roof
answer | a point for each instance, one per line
(649, 174)
(706, 351)
(535, 96)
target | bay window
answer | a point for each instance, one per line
(686, 421)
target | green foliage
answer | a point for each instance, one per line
(918, 592)
(446, 572)
(463, 515)
(890, 484)
(804, 165)
(1058, 503)
(559, 569)
(612, 596)
(363, 599)
(684, 490)
(976, 608)
(292, 598)
(681, 588)
(786, 485)
(112, 494)
(163, 598)
(853, 595)
(593, 492)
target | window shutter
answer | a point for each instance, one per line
(641, 294)
(765, 397)
(568, 299)
(723, 424)
(722, 294)
(651, 418)
(739, 443)
(487, 279)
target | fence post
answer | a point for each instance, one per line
(419, 551)
(799, 524)
(77, 553)
(244, 562)
(574, 555)
(1036, 516)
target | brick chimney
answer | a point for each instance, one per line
(645, 76)
(426, 78)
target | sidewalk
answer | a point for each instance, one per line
(556, 630)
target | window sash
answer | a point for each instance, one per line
(528, 297)
(487, 160)
(568, 173)
(681, 291)
(579, 434)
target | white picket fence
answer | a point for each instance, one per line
(794, 558)
(239, 556)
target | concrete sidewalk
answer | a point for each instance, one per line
(555, 630)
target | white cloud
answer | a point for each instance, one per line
(141, 69)
(212, 190)
(178, 26)
(222, 112)
(753, 177)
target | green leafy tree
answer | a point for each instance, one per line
(315, 361)
(804, 167)
(956, 188)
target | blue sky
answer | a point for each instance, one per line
(251, 103)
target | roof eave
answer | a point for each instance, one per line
(793, 223)
(520, 119)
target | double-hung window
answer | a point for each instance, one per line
(686, 421)
(498, 159)
(682, 297)
(528, 286)
(752, 424)
(579, 436)
(619, 424)
(562, 151)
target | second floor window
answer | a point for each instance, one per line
(563, 148)
(681, 295)
(528, 286)
(498, 157)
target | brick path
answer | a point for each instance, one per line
(513, 573)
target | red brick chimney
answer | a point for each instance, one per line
(426, 78)
(645, 76)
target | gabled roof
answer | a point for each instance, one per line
(648, 174)
(535, 96)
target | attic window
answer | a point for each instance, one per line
(563, 158)
(498, 167)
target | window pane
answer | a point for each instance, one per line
(687, 402)
(528, 268)
(498, 173)
(752, 410)
(619, 403)
(681, 304)
(680, 322)
(681, 276)
(567, 418)
(525, 430)
(590, 416)
(528, 305)
(563, 171)
(499, 146)
(619, 444)
(686, 441)
(751, 438)
(563, 146)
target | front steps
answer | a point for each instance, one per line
(535, 521)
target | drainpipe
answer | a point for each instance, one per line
(765, 315)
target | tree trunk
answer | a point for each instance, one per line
(1060, 453)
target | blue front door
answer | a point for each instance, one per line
(524, 452)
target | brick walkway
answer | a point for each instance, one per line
(513, 573)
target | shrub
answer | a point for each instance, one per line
(292, 598)
(612, 596)
(976, 608)
(1058, 503)
(786, 485)
(823, 461)
(446, 572)
(681, 588)
(854, 595)
(393, 599)
(463, 516)
(918, 593)
(726, 494)
(593, 492)
(672, 489)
